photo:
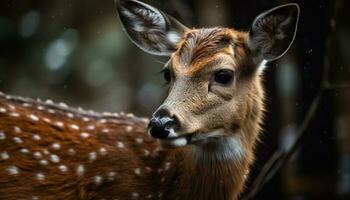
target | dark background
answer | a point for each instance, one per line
(75, 51)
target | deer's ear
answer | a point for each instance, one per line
(149, 28)
(273, 32)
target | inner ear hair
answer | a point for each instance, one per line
(273, 32)
(150, 29)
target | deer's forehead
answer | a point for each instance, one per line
(202, 48)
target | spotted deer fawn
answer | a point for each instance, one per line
(202, 136)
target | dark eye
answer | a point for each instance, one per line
(167, 75)
(223, 77)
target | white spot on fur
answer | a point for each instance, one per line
(74, 126)
(27, 105)
(98, 179)
(108, 114)
(137, 171)
(2, 136)
(130, 115)
(14, 114)
(13, 170)
(111, 176)
(84, 135)
(120, 145)
(59, 124)
(56, 146)
(70, 115)
(40, 108)
(91, 127)
(46, 152)
(167, 166)
(71, 151)
(139, 140)
(17, 129)
(92, 156)
(49, 101)
(43, 162)
(146, 152)
(40, 177)
(12, 107)
(63, 168)
(47, 120)
(148, 169)
(103, 151)
(35, 198)
(102, 121)
(37, 155)
(4, 156)
(80, 170)
(85, 119)
(105, 130)
(149, 196)
(128, 129)
(63, 105)
(36, 137)
(52, 111)
(54, 158)
(3, 110)
(24, 151)
(17, 140)
(34, 117)
(135, 195)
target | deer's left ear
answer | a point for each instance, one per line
(149, 28)
(273, 32)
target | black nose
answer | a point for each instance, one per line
(160, 125)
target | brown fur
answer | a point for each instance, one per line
(236, 110)
(183, 173)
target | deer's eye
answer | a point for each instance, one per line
(166, 75)
(223, 76)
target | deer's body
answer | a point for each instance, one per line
(211, 120)
(50, 151)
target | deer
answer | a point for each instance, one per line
(198, 144)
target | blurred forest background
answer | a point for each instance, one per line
(75, 51)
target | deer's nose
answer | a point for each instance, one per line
(161, 125)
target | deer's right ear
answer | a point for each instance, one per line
(149, 28)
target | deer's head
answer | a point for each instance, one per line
(212, 72)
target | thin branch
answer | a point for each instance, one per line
(280, 158)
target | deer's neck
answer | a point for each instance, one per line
(215, 170)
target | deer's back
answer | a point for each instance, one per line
(55, 152)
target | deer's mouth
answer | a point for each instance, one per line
(192, 139)
(179, 141)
